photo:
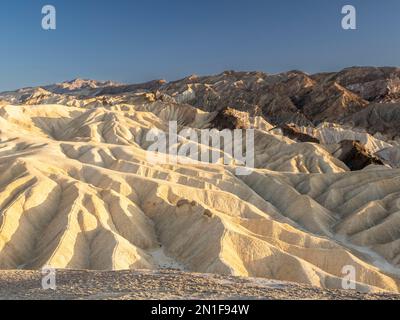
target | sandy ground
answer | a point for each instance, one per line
(161, 284)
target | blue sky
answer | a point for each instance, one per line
(135, 41)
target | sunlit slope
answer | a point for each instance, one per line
(77, 190)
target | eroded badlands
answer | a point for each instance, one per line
(77, 191)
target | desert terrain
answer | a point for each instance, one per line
(164, 284)
(77, 190)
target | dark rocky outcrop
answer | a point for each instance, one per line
(230, 119)
(292, 132)
(354, 155)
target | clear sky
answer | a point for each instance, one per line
(135, 41)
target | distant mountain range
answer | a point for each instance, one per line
(364, 97)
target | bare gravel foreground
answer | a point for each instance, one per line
(162, 284)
